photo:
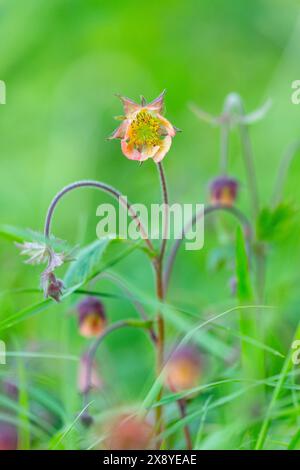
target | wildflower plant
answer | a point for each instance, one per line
(146, 134)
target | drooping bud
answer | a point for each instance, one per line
(91, 317)
(128, 432)
(52, 286)
(183, 369)
(88, 376)
(8, 436)
(223, 191)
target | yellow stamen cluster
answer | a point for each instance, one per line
(145, 130)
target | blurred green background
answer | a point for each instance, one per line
(62, 62)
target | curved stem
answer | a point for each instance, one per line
(93, 350)
(103, 187)
(207, 210)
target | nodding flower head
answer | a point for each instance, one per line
(144, 132)
(52, 286)
(183, 369)
(129, 432)
(223, 191)
(8, 436)
(40, 253)
(91, 317)
(88, 376)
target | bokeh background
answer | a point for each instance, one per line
(63, 62)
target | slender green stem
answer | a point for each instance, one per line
(250, 170)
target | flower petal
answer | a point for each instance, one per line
(157, 105)
(150, 151)
(169, 128)
(165, 147)
(130, 152)
(119, 132)
(130, 107)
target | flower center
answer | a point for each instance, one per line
(145, 130)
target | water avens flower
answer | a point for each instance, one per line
(144, 132)
(183, 369)
(223, 191)
(91, 317)
(128, 432)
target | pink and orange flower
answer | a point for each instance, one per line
(144, 131)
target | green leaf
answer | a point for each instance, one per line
(20, 235)
(273, 224)
(95, 258)
(25, 313)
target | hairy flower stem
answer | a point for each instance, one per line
(242, 219)
(104, 188)
(165, 199)
(158, 265)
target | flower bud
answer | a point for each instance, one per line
(128, 432)
(183, 369)
(8, 436)
(52, 286)
(88, 377)
(223, 191)
(91, 317)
